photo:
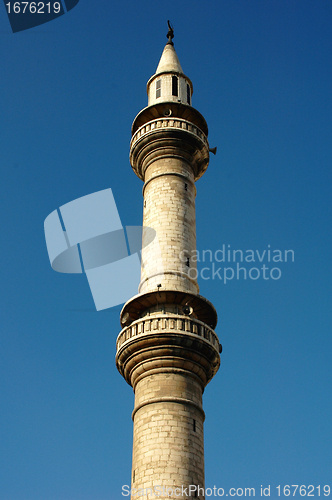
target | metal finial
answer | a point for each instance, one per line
(170, 33)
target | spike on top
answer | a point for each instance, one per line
(170, 34)
(169, 83)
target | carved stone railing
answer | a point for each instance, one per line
(170, 123)
(152, 325)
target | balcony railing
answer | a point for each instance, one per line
(170, 123)
(152, 325)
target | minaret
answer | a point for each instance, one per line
(168, 350)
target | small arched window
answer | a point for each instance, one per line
(175, 86)
(158, 88)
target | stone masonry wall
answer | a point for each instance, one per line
(168, 436)
(169, 208)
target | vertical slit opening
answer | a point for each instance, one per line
(175, 86)
(188, 94)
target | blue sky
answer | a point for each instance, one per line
(70, 89)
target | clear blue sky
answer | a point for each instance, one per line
(70, 89)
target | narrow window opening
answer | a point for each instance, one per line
(175, 86)
(144, 203)
(133, 475)
(194, 425)
(195, 494)
(188, 264)
(186, 187)
(188, 93)
(158, 88)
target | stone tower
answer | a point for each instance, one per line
(168, 350)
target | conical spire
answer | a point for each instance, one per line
(169, 83)
(169, 61)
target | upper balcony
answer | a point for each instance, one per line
(169, 123)
(168, 136)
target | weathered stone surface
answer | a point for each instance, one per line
(168, 350)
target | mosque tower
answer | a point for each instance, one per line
(167, 349)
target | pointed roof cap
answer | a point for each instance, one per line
(169, 61)
(169, 65)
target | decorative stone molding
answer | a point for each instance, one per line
(166, 137)
(181, 401)
(164, 322)
(169, 123)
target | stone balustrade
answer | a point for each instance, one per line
(168, 122)
(173, 324)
